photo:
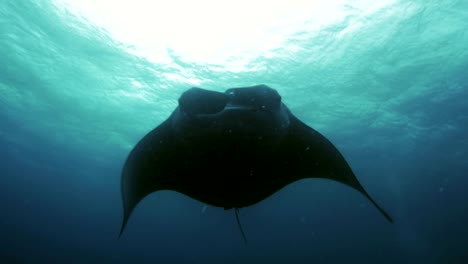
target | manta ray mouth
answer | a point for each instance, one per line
(239, 107)
(235, 109)
(247, 108)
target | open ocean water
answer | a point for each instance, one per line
(385, 81)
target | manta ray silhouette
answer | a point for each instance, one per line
(231, 150)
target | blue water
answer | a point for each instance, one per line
(388, 88)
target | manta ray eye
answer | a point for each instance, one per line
(198, 101)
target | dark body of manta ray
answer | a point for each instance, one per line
(231, 150)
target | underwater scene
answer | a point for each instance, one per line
(83, 81)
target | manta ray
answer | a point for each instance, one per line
(231, 150)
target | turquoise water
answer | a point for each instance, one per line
(388, 86)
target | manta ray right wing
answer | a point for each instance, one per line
(314, 156)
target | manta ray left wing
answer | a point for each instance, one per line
(147, 162)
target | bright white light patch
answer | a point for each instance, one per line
(207, 31)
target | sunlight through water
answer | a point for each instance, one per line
(210, 31)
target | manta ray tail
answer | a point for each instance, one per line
(240, 226)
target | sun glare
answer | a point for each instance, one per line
(206, 31)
